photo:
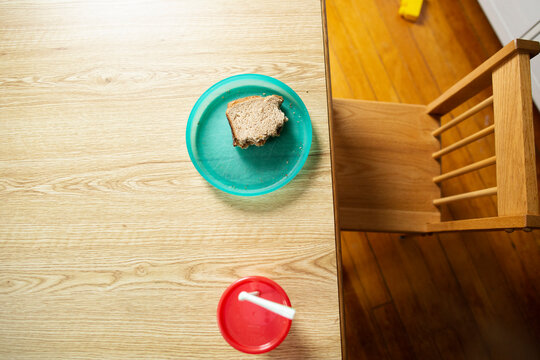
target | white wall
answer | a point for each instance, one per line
(517, 19)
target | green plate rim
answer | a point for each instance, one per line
(278, 184)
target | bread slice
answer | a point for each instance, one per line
(254, 119)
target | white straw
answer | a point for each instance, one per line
(274, 307)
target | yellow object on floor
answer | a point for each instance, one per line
(410, 9)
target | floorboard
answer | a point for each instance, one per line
(451, 296)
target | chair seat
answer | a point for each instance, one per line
(385, 154)
(383, 166)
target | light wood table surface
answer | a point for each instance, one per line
(111, 243)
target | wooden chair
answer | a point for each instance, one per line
(386, 156)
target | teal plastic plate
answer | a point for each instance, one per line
(255, 170)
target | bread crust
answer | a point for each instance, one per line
(236, 142)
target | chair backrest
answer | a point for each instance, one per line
(508, 72)
(385, 155)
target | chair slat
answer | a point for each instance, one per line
(467, 114)
(465, 169)
(469, 139)
(464, 196)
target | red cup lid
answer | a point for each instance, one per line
(248, 327)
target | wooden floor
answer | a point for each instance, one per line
(452, 296)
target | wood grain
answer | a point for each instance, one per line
(362, 341)
(332, 156)
(383, 188)
(466, 169)
(487, 223)
(483, 286)
(462, 117)
(112, 245)
(362, 128)
(467, 195)
(395, 336)
(514, 138)
(469, 139)
(480, 77)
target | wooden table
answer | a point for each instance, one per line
(111, 244)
